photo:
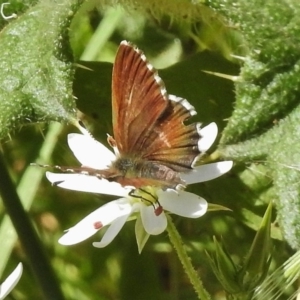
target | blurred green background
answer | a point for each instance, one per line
(182, 43)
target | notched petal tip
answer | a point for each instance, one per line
(208, 135)
(87, 183)
(77, 234)
(57, 183)
(90, 152)
(54, 178)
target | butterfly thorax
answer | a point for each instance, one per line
(138, 172)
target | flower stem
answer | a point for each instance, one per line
(26, 193)
(186, 261)
(214, 156)
(30, 241)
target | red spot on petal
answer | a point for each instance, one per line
(158, 210)
(98, 225)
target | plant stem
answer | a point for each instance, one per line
(186, 261)
(27, 235)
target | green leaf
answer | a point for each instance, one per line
(224, 268)
(269, 83)
(257, 262)
(36, 64)
(265, 123)
(282, 160)
(140, 233)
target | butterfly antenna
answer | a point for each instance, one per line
(148, 193)
(61, 168)
(157, 210)
(131, 193)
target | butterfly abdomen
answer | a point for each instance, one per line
(160, 172)
(139, 172)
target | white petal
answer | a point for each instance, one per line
(182, 203)
(11, 281)
(208, 136)
(111, 232)
(90, 152)
(86, 183)
(152, 223)
(101, 217)
(207, 172)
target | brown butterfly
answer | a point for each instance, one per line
(153, 146)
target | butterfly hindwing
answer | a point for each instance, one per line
(172, 143)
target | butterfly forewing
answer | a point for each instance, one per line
(138, 99)
(148, 124)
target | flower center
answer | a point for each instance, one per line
(148, 196)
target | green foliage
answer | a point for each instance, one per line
(268, 87)
(257, 115)
(268, 90)
(36, 77)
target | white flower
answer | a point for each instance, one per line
(147, 205)
(11, 281)
(152, 217)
